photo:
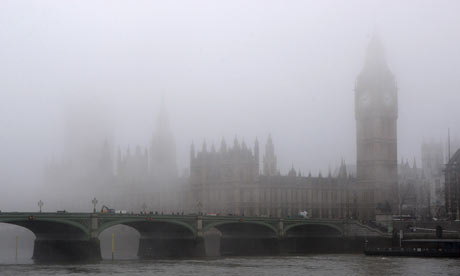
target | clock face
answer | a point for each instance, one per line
(364, 100)
(388, 99)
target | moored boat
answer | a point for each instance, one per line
(419, 248)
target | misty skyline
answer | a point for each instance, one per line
(236, 68)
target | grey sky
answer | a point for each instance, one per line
(226, 68)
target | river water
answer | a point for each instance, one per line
(333, 264)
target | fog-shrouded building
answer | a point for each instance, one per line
(228, 181)
(231, 179)
(136, 179)
(452, 189)
(432, 167)
(414, 190)
(147, 178)
(270, 159)
(225, 181)
(376, 112)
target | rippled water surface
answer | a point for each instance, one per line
(279, 266)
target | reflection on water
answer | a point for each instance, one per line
(345, 264)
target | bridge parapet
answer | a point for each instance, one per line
(357, 229)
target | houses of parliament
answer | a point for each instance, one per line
(238, 179)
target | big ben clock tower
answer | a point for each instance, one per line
(376, 111)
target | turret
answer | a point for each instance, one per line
(243, 146)
(256, 153)
(292, 171)
(204, 148)
(223, 146)
(236, 145)
(192, 153)
(213, 148)
(343, 170)
(269, 158)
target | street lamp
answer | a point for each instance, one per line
(199, 205)
(40, 205)
(144, 208)
(94, 201)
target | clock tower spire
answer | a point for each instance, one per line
(376, 112)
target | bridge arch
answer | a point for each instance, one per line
(159, 236)
(50, 225)
(240, 237)
(313, 229)
(219, 225)
(123, 237)
(135, 222)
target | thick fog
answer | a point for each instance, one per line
(73, 72)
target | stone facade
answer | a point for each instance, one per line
(270, 159)
(228, 182)
(452, 193)
(432, 167)
(225, 181)
(414, 191)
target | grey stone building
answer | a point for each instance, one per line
(376, 112)
(432, 167)
(452, 191)
(228, 182)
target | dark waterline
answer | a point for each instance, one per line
(333, 264)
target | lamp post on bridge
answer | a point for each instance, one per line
(144, 208)
(40, 205)
(199, 206)
(94, 201)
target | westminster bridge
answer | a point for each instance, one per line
(75, 236)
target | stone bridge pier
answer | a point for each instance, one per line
(59, 242)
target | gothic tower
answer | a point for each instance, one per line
(163, 150)
(269, 159)
(376, 111)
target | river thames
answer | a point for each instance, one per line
(328, 264)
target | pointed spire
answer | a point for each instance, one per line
(256, 152)
(119, 154)
(204, 149)
(343, 169)
(243, 145)
(192, 150)
(223, 145)
(213, 149)
(375, 55)
(163, 118)
(236, 145)
(269, 158)
(292, 172)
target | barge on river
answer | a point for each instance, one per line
(419, 248)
